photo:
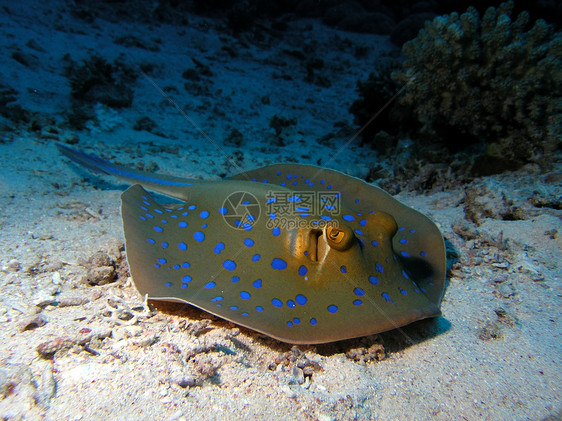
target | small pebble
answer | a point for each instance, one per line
(12, 266)
(290, 393)
(31, 322)
(183, 380)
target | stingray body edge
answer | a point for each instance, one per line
(355, 262)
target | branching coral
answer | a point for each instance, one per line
(472, 79)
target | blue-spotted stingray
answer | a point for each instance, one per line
(300, 253)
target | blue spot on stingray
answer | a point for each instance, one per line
(357, 200)
(403, 241)
(290, 324)
(297, 321)
(271, 200)
(191, 207)
(185, 265)
(358, 232)
(277, 302)
(165, 245)
(158, 211)
(294, 198)
(303, 270)
(149, 216)
(142, 218)
(283, 184)
(164, 221)
(357, 302)
(234, 307)
(291, 304)
(203, 226)
(161, 260)
(229, 265)
(322, 182)
(272, 216)
(248, 242)
(204, 215)
(278, 172)
(183, 286)
(245, 203)
(168, 284)
(403, 291)
(210, 285)
(404, 254)
(245, 295)
(156, 265)
(329, 187)
(259, 308)
(186, 279)
(235, 279)
(219, 247)
(185, 213)
(289, 176)
(199, 236)
(257, 283)
(375, 243)
(313, 322)
(363, 222)
(176, 267)
(401, 229)
(182, 224)
(151, 241)
(301, 299)
(173, 216)
(373, 280)
(423, 254)
(333, 309)
(223, 211)
(326, 218)
(219, 298)
(386, 296)
(158, 229)
(182, 246)
(278, 264)
(405, 274)
(359, 292)
(256, 257)
(343, 269)
(412, 231)
(265, 181)
(348, 218)
(379, 268)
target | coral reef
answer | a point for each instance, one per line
(470, 79)
(98, 81)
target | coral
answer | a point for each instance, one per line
(375, 96)
(472, 79)
(98, 81)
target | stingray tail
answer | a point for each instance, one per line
(170, 185)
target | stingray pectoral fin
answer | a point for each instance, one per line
(165, 184)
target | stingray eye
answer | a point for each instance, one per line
(340, 238)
